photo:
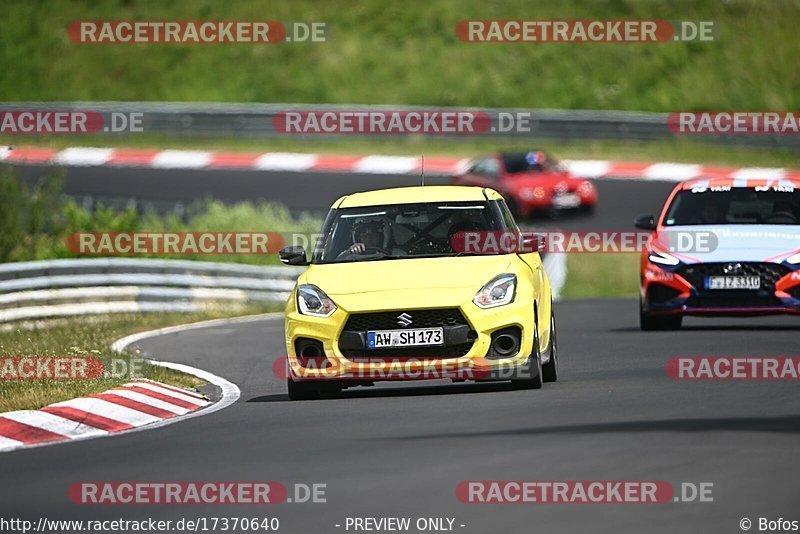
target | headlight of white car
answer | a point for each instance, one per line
(313, 301)
(656, 256)
(499, 291)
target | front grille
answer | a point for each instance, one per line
(769, 272)
(419, 319)
(733, 300)
(408, 353)
(362, 322)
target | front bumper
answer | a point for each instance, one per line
(680, 290)
(463, 357)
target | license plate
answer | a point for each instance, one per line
(734, 282)
(569, 200)
(413, 337)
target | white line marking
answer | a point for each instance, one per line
(386, 164)
(181, 159)
(8, 444)
(677, 172)
(285, 161)
(588, 168)
(759, 173)
(230, 391)
(83, 157)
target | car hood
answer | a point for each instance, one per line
(548, 180)
(740, 242)
(468, 272)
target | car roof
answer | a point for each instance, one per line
(412, 195)
(745, 183)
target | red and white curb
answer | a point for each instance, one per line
(135, 406)
(375, 164)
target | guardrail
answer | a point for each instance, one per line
(198, 120)
(57, 288)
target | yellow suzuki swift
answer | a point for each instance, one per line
(390, 295)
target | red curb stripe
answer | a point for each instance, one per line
(26, 433)
(135, 405)
(717, 172)
(166, 398)
(171, 388)
(439, 165)
(86, 418)
(225, 160)
(335, 163)
(627, 169)
(131, 156)
(31, 155)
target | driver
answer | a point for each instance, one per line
(367, 235)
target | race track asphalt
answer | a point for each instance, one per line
(620, 200)
(397, 450)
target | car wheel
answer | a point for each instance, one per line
(649, 322)
(550, 369)
(532, 370)
(301, 390)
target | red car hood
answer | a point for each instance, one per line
(547, 180)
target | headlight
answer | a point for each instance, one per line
(313, 301)
(663, 258)
(794, 260)
(500, 290)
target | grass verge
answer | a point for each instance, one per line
(91, 337)
(408, 53)
(601, 275)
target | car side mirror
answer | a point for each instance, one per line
(533, 242)
(293, 256)
(645, 222)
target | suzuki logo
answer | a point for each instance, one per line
(404, 319)
(732, 268)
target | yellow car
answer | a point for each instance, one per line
(388, 295)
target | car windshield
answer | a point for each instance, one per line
(529, 162)
(403, 231)
(732, 205)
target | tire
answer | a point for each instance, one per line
(648, 322)
(550, 369)
(301, 390)
(534, 365)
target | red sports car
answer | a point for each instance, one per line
(531, 182)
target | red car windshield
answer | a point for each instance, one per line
(530, 162)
